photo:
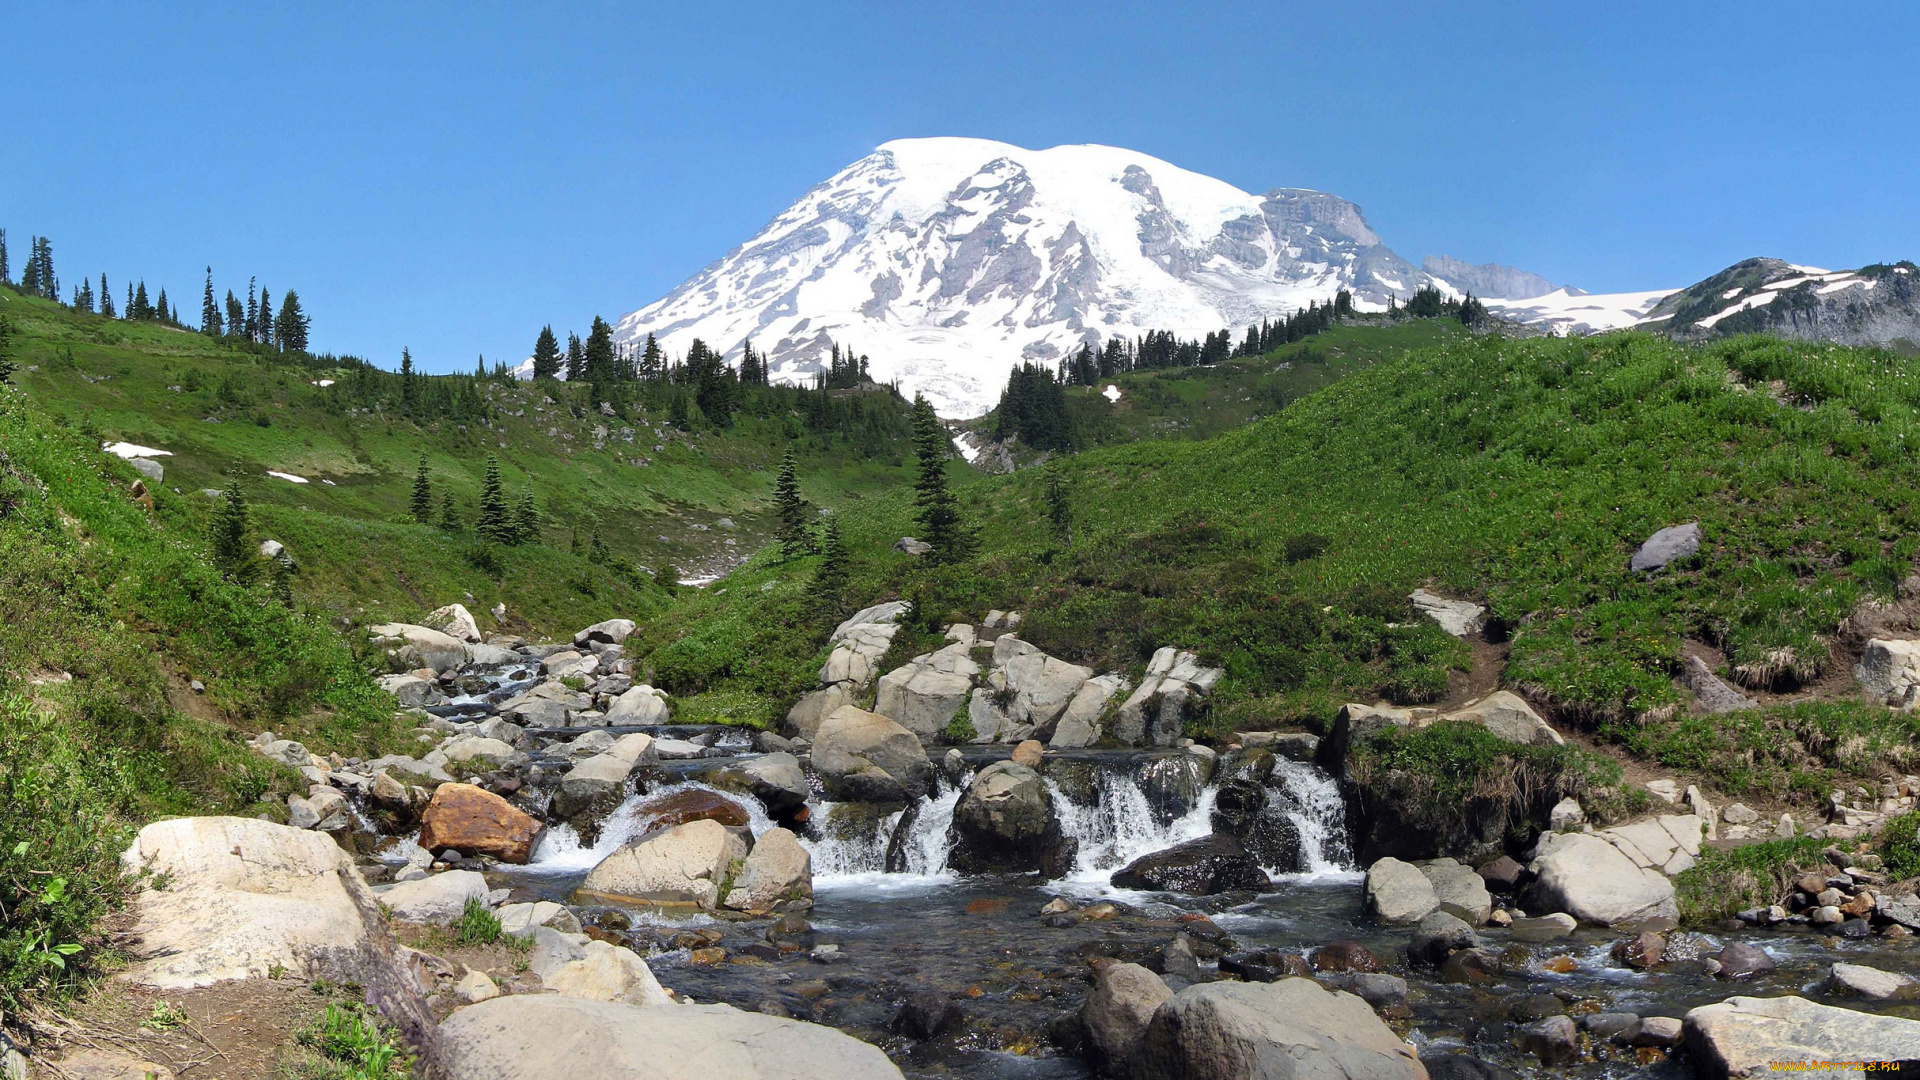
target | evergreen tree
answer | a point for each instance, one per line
(830, 578)
(161, 311)
(496, 522)
(209, 311)
(236, 316)
(449, 517)
(790, 512)
(253, 313)
(127, 312)
(264, 333)
(6, 278)
(230, 551)
(653, 363)
(576, 359)
(290, 327)
(409, 394)
(1472, 312)
(939, 511)
(422, 495)
(1059, 510)
(713, 383)
(282, 582)
(6, 350)
(106, 299)
(677, 413)
(596, 358)
(526, 520)
(546, 355)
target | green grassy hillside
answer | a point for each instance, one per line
(1520, 473)
(659, 498)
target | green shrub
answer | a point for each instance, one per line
(1900, 846)
(353, 1046)
(476, 925)
(1725, 881)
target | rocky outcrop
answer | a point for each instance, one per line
(1889, 672)
(455, 621)
(543, 1036)
(607, 972)
(865, 757)
(1211, 864)
(437, 898)
(1083, 722)
(1669, 843)
(474, 821)
(1591, 880)
(778, 874)
(638, 706)
(1005, 823)
(1672, 544)
(420, 646)
(1041, 686)
(925, 694)
(1461, 618)
(1504, 713)
(609, 632)
(1251, 1031)
(1397, 892)
(775, 779)
(1744, 1036)
(853, 662)
(685, 865)
(1170, 694)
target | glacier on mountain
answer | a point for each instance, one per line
(950, 260)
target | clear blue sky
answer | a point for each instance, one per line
(451, 177)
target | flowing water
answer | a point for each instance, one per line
(980, 940)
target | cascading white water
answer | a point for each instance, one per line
(560, 850)
(1121, 826)
(1312, 802)
(839, 858)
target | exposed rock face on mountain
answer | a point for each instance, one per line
(1874, 305)
(950, 260)
(1489, 281)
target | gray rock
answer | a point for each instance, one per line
(1042, 685)
(1439, 936)
(1742, 1036)
(1590, 879)
(683, 865)
(148, 468)
(924, 696)
(1889, 672)
(1868, 982)
(1668, 546)
(775, 779)
(865, 757)
(639, 706)
(1005, 823)
(1397, 892)
(1082, 724)
(543, 1036)
(1555, 1040)
(1270, 1031)
(1461, 618)
(421, 646)
(455, 621)
(1462, 892)
(437, 898)
(815, 706)
(611, 632)
(778, 873)
(1713, 695)
(1116, 1014)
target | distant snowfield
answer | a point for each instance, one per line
(1566, 313)
(128, 451)
(287, 476)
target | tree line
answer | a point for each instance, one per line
(256, 320)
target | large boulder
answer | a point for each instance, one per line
(437, 898)
(1889, 672)
(610, 632)
(1156, 713)
(1174, 783)
(607, 972)
(639, 706)
(1670, 545)
(1745, 1036)
(685, 865)
(814, 706)
(593, 787)
(778, 874)
(1507, 715)
(865, 757)
(421, 646)
(479, 752)
(475, 821)
(1083, 721)
(1713, 695)
(924, 696)
(1241, 810)
(455, 621)
(1461, 618)
(1116, 1014)
(542, 1036)
(1397, 892)
(1272, 1031)
(1212, 864)
(242, 897)
(1591, 880)
(1005, 823)
(775, 779)
(859, 643)
(1042, 685)
(1462, 892)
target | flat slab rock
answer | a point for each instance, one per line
(543, 1036)
(1743, 1036)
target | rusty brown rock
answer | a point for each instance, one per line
(477, 822)
(682, 807)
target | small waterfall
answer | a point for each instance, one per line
(1311, 799)
(1121, 826)
(857, 851)
(560, 850)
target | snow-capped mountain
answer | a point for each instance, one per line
(950, 260)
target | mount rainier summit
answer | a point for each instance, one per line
(949, 260)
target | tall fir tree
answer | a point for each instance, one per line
(576, 359)
(252, 332)
(829, 587)
(653, 362)
(265, 329)
(449, 515)
(790, 511)
(209, 311)
(939, 511)
(162, 311)
(236, 316)
(230, 549)
(106, 298)
(140, 308)
(6, 276)
(422, 504)
(496, 521)
(409, 393)
(291, 325)
(1059, 508)
(526, 520)
(597, 355)
(546, 355)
